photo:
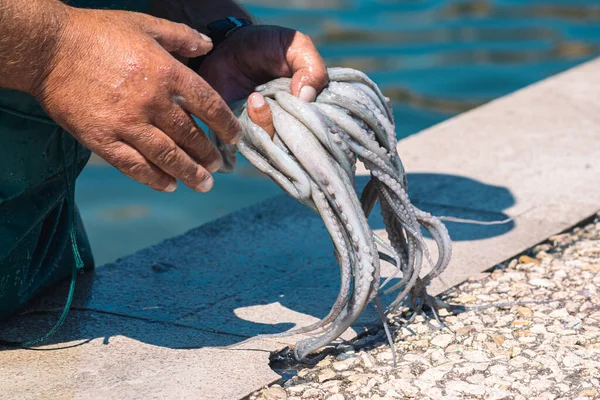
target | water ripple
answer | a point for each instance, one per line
(482, 49)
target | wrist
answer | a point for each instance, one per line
(31, 34)
(64, 59)
(219, 31)
(224, 28)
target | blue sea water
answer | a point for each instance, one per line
(433, 58)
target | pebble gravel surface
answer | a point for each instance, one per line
(545, 347)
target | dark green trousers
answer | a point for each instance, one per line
(39, 162)
(38, 165)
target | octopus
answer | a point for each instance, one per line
(313, 157)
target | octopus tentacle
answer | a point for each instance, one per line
(313, 157)
(343, 257)
(352, 75)
(357, 109)
(305, 147)
(314, 121)
(275, 86)
(278, 165)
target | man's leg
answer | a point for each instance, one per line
(38, 166)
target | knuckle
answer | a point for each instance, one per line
(196, 137)
(235, 128)
(215, 109)
(186, 29)
(181, 27)
(135, 133)
(168, 155)
(190, 137)
(203, 176)
(117, 162)
(113, 153)
(138, 171)
(304, 38)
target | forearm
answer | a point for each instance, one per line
(197, 13)
(30, 31)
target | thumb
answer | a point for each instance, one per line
(175, 37)
(307, 66)
(260, 113)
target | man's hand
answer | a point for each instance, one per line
(257, 54)
(251, 56)
(114, 86)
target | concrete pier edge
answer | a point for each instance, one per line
(153, 324)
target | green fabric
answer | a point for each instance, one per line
(35, 249)
(36, 159)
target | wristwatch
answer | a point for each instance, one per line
(218, 31)
(223, 28)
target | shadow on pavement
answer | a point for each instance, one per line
(260, 270)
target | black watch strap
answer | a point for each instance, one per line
(223, 28)
(218, 32)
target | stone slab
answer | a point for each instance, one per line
(270, 267)
(102, 356)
